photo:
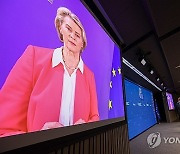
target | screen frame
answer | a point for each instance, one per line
(168, 103)
(100, 18)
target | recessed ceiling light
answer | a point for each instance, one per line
(157, 79)
(178, 66)
(151, 72)
(143, 62)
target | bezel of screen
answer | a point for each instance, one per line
(169, 100)
(105, 121)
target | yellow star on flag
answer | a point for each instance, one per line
(110, 104)
(114, 72)
(119, 70)
(110, 84)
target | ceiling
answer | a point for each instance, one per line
(151, 28)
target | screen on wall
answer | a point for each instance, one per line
(40, 86)
(170, 101)
(140, 108)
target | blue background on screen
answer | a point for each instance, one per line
(140, 109)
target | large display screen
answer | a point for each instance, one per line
(140, 108)
(31, 94)
(170, 101)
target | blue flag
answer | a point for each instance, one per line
(116, 104)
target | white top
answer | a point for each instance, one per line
(68, 90)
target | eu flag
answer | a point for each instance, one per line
(116, 105)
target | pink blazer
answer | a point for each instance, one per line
(31, 95)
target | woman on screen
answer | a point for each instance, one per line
(50, 88)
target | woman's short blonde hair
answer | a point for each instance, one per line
(63, 12)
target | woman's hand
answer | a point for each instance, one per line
(50, 125)
(80, 121)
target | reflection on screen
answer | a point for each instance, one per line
(32, 22)
(170, 101)
(140, 108)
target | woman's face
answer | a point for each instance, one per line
(72, 35)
